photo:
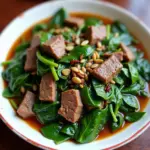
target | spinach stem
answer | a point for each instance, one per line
(108, 27)
(13, 103)
(112, 113)
(54, 73)
(6, 62)
(53, 70)
(46, 61)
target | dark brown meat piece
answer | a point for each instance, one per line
(35, 42)
(25, 108)
(30, 64)
(119, 55)
(47, 88)
(128, 54)
(94, 34)
(74, 22)
(55, 46)
(108, 70)
(71, 105)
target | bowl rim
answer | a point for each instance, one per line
(114, 6)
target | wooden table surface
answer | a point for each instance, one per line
(10, 9)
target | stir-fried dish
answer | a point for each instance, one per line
(77, 75)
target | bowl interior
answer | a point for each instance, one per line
(21, 23)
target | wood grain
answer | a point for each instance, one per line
(10, 9)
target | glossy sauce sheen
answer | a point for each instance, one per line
(32, 122)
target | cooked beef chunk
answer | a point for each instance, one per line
(71, 105)
(107, 70)
(35, 42)
(95, 34)
(25, 108)
(128, 54)
(30, 64)
(74, 22)
(47, 88)
(55, 46)
(119, 55)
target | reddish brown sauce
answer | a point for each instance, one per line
(32, 122)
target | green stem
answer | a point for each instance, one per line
(46, 61)
(108, 27)
(112, 113)
(53, 70)
(6, 62)
(13, 103)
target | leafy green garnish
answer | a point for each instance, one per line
(52, 132)
(58, 18)
(90, 126)
(75, 54)
(135, 116)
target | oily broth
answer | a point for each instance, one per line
(32, 122)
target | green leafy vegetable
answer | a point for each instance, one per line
(92, 22)
(143, 67)
(39, 27)
(42, 68)
(58, 18)
(117, 125)
(90, 126)
(100, 90)
(70, 129)
(118, 27)
(89, 98)
(8, 93)
(131, 100)
(134, 73)
(46, 112)
(132, 89)
(20, 81)
(62, 85)
(126, 38)
(68, 35)
(23, 46)
(135, 116)
(114, 43)
(44, 36)
(52, 132)
(75, 54)
(59, 71)
(117, 99)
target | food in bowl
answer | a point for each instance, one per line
(77, 74)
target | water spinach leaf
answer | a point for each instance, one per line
(117, 125)
(88, 99)
(46, 112)
(135, 116)
(100, 90)
(69, 129)
(52, 132)
(75, 54)
(131, 100)
(90, 126)
(58, 18)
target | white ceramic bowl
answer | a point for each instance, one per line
(33, 15)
